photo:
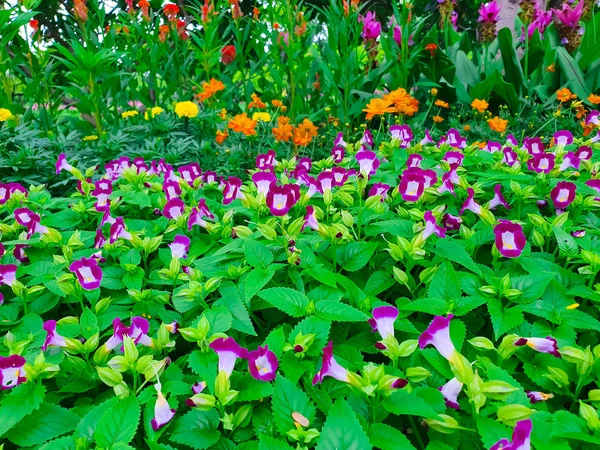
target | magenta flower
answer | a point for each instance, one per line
(172, 189)
(262, 181)
(431, 227)
(231, 190)
(450, 222)
(138, 331)
(427, 139)
(470, 203)
(570, 160)
(509, 238)
(280, 199)
(326, 181)
(197, 215)
(62, 164)
(414, 160)
(371, 27)
(383, 320)
(521, 438)
(367, 139)
(594, 184)
(568, 17)
(447, 184)
(6, 191)
(584, 153)
(262, 364)
(338, 153)
(180, 246)
(117, 231)
(536, 396)
(31, 220)
(339, 140)
(488, 12)
(562, 138)
(510, 156)
(19, 253)
(542, 162)
(228, 351)
(368, 162)
(454, 139)
(340, 175)
(493, 147)
(379, 189)
(511, 140)
(88, 272)
(99, 240)
(578, 233)
(210, 177)
(190, 172)
(451, 390)
(8, 274)
(438, 335)
(563, 194)
(102, 190)
(593, 118)
(310, 219)
(498, 198)
(174, 208)
(534, 146)
(266, 161)
(402, 133)
(542, 345)
(11, 371)
(52, 337)
(163, 413)
(411, 186)
(197, 388)
(330, 367)
(453, 158)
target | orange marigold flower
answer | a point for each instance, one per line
(242, 124)
(580, 112)
(256, 102)
(255, 13)
(497, 124)
(594, 99)
(564, 95)
(210, 88)
(479, 105)
(378, 107)
(431, 48)
(467, 128)
(221, 136)
(438, 119)
(304, 133)
(442, 104)
(550, 68)
(277, 103)
(284, 131)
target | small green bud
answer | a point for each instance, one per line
(482, 343)
(416, 374)
(511, 414)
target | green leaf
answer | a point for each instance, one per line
(219, 318)
(119, 424)
(63, 443)
(288, 398)
(444, 284)
(590, 44)
(504, 320)
(386, 437)
(133, 257)
(435, 306)
(257, 254)
(204, 364)
(572, 73)
(379, 282)
(87, 425)
(112, 277)
(512, 67)
(465, 305)
(354, 256)
(491, 431)
(232, 300)
(455, 251)
(89, 323)
(270, 443)
(21, 401)
(197, 429)
(570, 426)
(342, 430)
(48, 422)
(403, 403)
(532, 286)
(340, 312)
(313, 325)
(290, 301)
(258, 278)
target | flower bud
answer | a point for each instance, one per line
(594, 395)
(498, 390)
(557, 375)
(446, 424)
(416, 374)
(590, 415)
(482, 343)
(426, 275)
(267, 231)
(538, 239)
(109, 376)
(511, 414)
(130, 350)
(119, 363)
(461, 368)
(242, 231)
(400, 276)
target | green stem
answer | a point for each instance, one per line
(417, 432)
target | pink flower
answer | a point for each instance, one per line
(330, 367)
(262, 364)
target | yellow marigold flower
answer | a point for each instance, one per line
(564, 95)
(153, 112)
(5, 115)
(497, 124)
(131, 113)
(223, 114)
(186, 109)
(479, 105)
(221, 136)
(378, 107)
(261, 117)
(91, 137)
(438, 119)
(594, 99)
(242, 124)
(433, 92)
(442, 104)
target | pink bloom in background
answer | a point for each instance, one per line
(488, 12)
(371, 27)
(310, 219)
(568, 17)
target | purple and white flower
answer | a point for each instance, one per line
(451, 390)
(231, 190)
(62, 164)
(263, 180)
(8, 274)
(498, 198)
(310, 219)
(542, 345)
(411, 186)
(414, 160)
(509, 238)
(402, 133)
(118, 231)
(180, 246)
(380, 189)
(431, 227)
(570, 160)
(470, 203)
(52, 337)
(262, 364)
(542, 162)
(280, 199)
(563, 194)
(330, 367)
(228, 351)
(368, 162)
(174, 208)
(197, 215)
(138, 331)
(88, 272)
(163, 413)
(438, 335)
(383, 320)
(11, 371)
(536, 396)
(521, 438)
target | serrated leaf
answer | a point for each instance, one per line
(402, 402)
(444, 284)
(570, 426)
(313, 325)
(505, 319)
(232, 300)
(258, 278)
(532, 286)
(290, 301)
(87, 425)
(204, 365)
(342, 430)
(287, 399)
(435, 306)
(340, 312)
(386, 437)
(119, 424)
(20, 402)
(89, 323)
(455, 251)
(197, 429)
(270, 443)
(219, 318)
(46, 423)
(354, 256)
(465, 305)
(257, 254)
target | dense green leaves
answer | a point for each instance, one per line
(343, 430)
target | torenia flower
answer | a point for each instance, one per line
(31, 220)
(163, 413)
(414, 160)
(180, 246)
(338, 154)
(563, 137)
(11, 371)
(570, 160)
(117, 231)
(310, 219)
(402, 133)
(197, 215)
(138, 331)
(62, 164)
(52, 337)
(330, 367)
(431, 227)
(200, 399)
(411, 186)
(228, 351)
(542, 345)
(368, 162)
(509, 238)
(88, 272)
(280, 199)
(262, 364)
(266, 161)
(534, 146)
(510, 156)
(536, 396)
(8, 274)
(190, 172)
(383, 320)
(174, 208)
(470, 203)
(380, 189)
(521, 438)
(262, 181)
(339, 140)
(231, 190)
(438, 335)
(451, 391)
(498, 198)
(563, 194)
(186, 109)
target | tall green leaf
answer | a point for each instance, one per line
(342, 430)
(118, 424)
